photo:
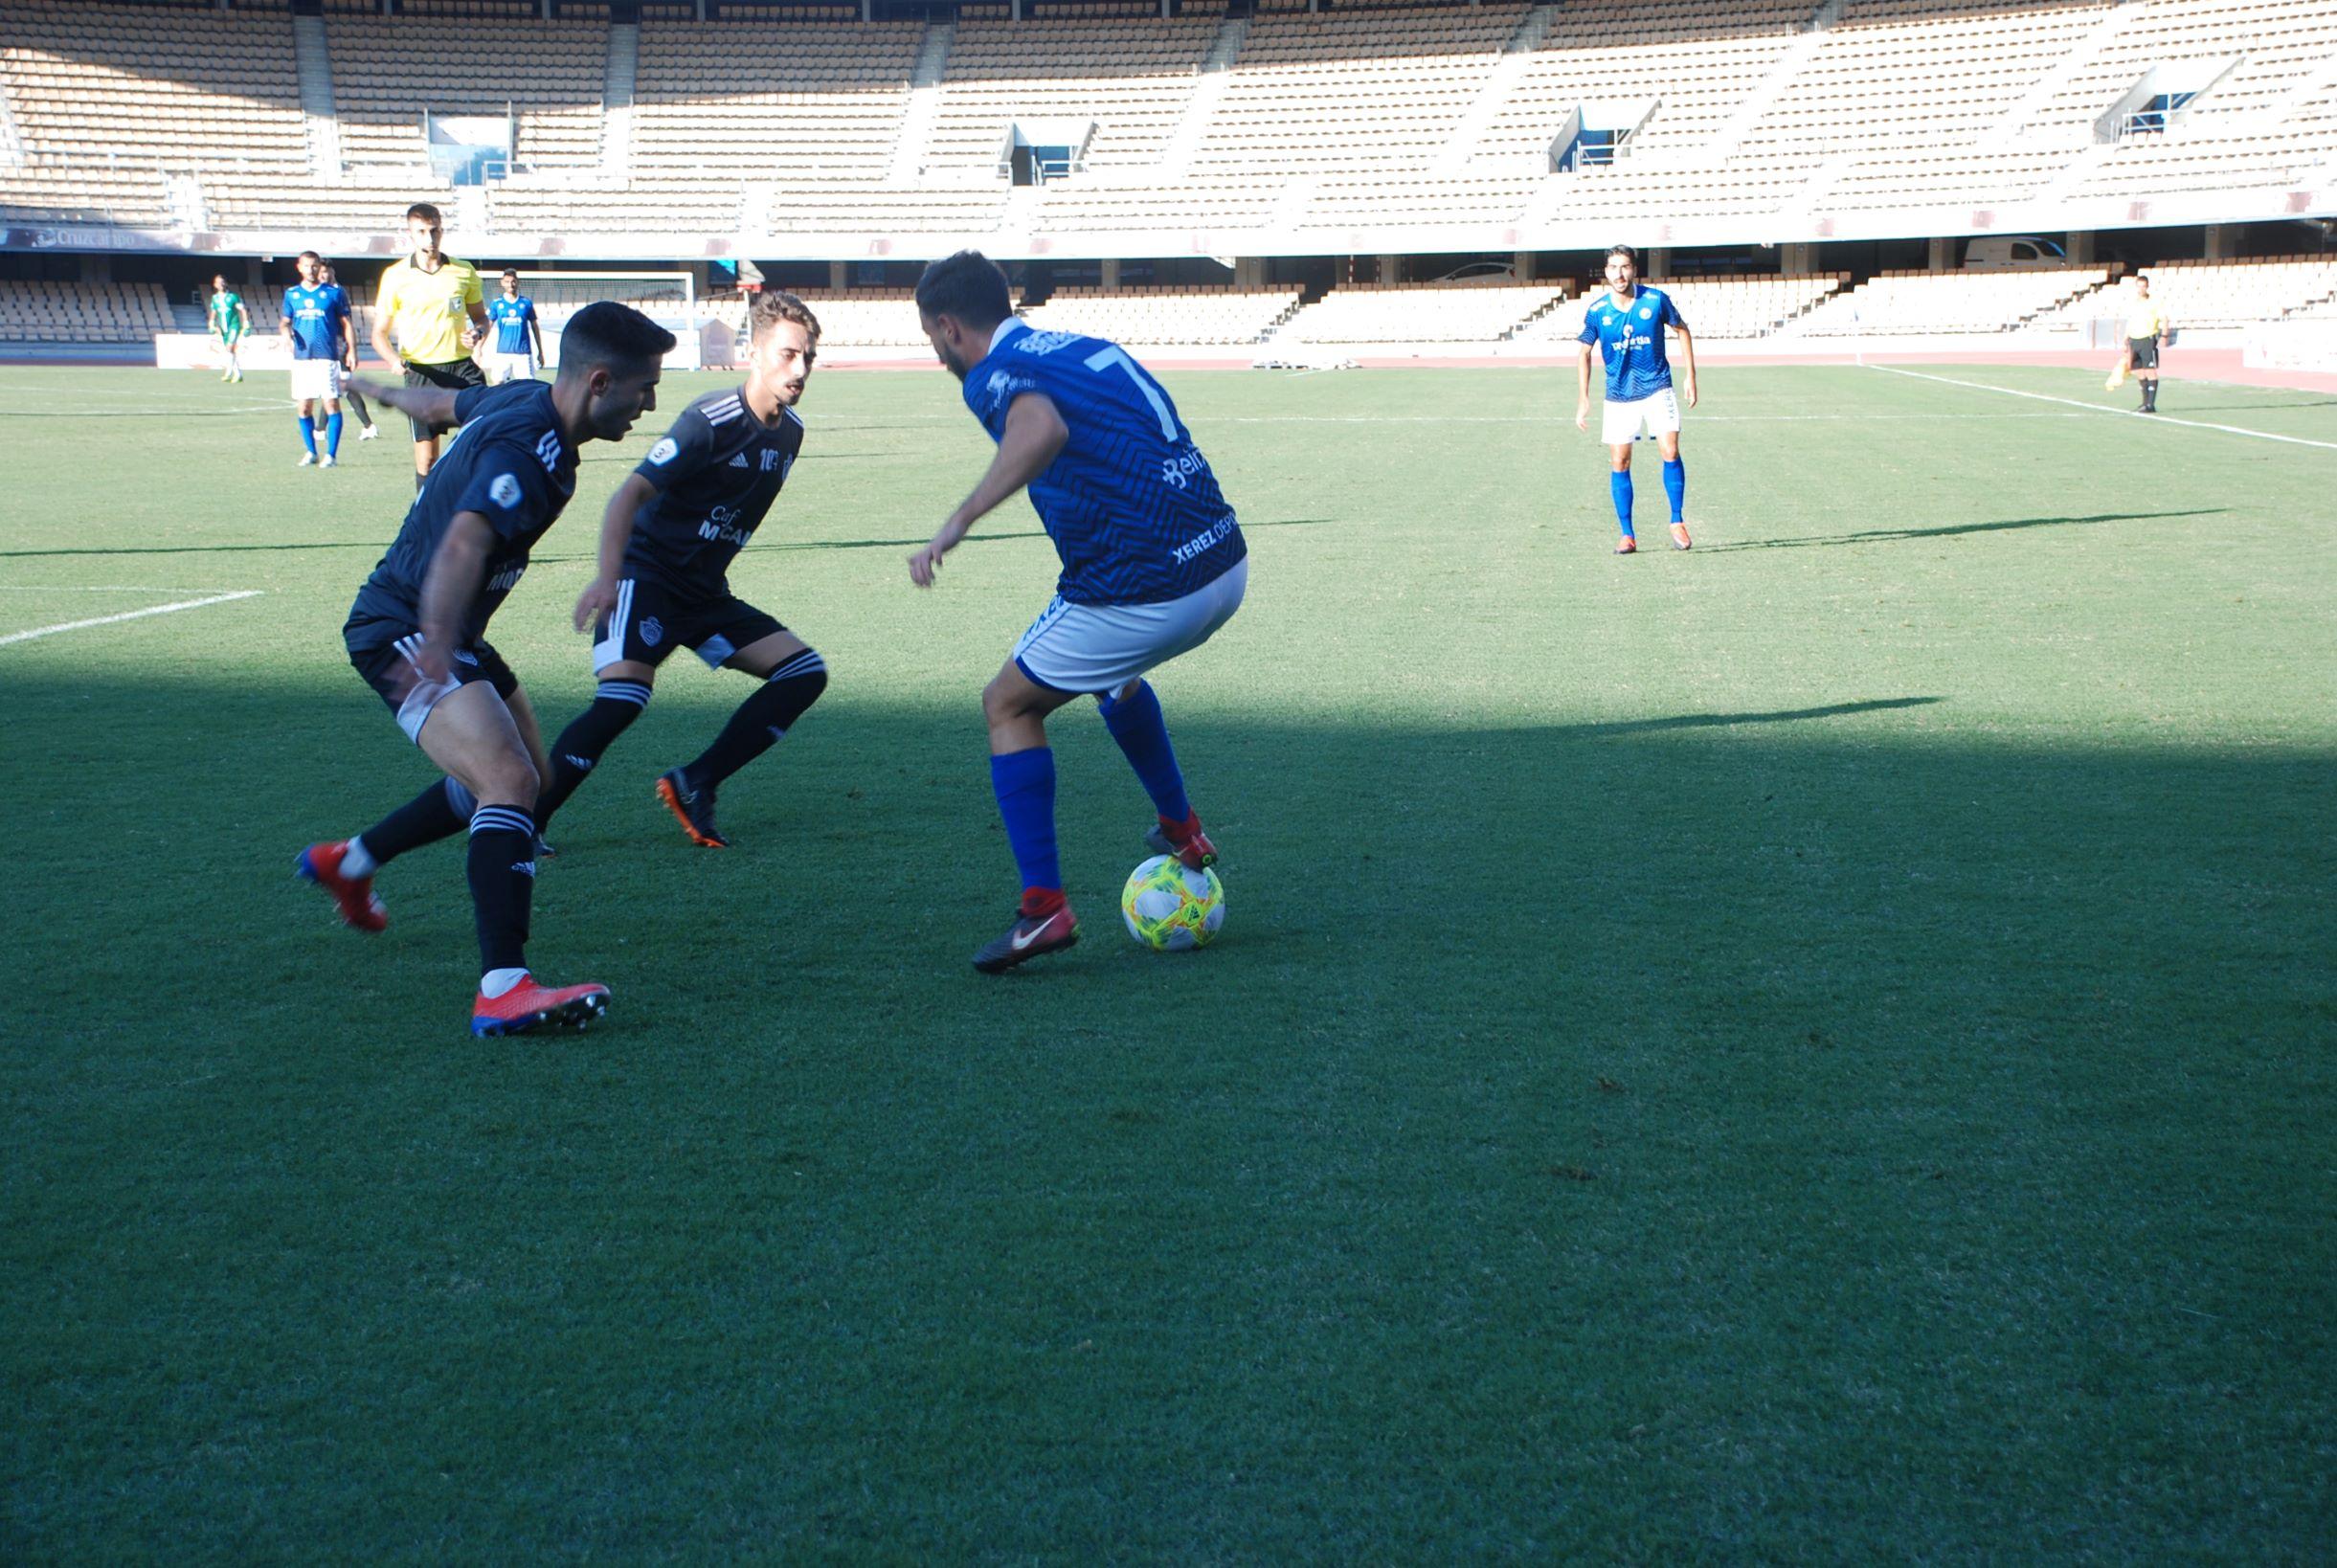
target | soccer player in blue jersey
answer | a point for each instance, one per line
(417, 635)
(519, 341)
(1153, 564)
(366, 429)
(1628, 324)
(315, 319)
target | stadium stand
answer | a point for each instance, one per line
(1131, 76)
(1948, 301)
(1222, 316)
(2224, 294)
(387, 71)
(82, 313)
(1469, 313)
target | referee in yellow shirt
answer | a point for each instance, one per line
(2145, 326)
(433, 305)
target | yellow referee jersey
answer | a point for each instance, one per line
(428, 312)
(2145, 320)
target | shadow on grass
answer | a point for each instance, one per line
(1683, 1063)
(1873, 536)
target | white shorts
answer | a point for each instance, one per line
(1096, 648)
(1660, 412)
(503, 367)
(315, 378)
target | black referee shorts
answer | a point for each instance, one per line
(453, 375)
(2146, 352)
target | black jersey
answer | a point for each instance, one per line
(717, 473)
(511, 464)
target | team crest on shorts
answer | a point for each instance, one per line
(652, 632)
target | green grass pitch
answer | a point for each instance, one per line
(1820, 1047)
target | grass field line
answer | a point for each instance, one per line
(129, 614)
(2094, 408)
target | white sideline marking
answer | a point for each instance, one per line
(129, 614)
(2115, 413)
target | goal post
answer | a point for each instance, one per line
(669, 299)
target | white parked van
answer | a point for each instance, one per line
(1991, 251)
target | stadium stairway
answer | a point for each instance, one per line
(924, 103)
(1516, 55)
(1208, 91)
(314, 62)
(617, 100)
(1780, 76)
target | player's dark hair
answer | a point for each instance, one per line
(309, 256)
(512, 273)
(423, 210)
(967, 286)
(1623, 251)
(775, 305)
(614, 336)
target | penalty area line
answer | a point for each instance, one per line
(2115, 413)
(129, 614)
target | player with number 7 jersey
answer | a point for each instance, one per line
(1153, 563)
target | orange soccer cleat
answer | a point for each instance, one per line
(1679, 536)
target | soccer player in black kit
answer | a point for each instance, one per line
(417, 634)
(666, 543)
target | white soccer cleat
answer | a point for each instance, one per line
(308, 459)
(369, 433)
(328, 460)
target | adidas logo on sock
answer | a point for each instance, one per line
(582, 765)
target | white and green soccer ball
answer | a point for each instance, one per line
(1171, 907)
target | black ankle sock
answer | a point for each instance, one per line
(762, 719)
(503, 883)
(592, 732)
(439, 812)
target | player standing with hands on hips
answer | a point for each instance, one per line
(1628, 324)
(1153, 564)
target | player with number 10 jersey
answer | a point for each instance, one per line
(1153, 563)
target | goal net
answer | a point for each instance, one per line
(668, 298)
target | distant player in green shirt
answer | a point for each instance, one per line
(229, 323)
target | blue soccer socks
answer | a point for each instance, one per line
(332, 434)
(308, 433)
(1619, 486)
(1135, 722)
(1025, 783)
(1675, 486)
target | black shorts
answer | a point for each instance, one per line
(388, 668)
(2146, 352)
(651, 621)
(455, 374)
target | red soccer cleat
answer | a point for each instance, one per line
(353, 896)
(1183, 840)
(1029, 936)
(1628, 546)
(529, 1006)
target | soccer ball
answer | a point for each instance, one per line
(1170, 909)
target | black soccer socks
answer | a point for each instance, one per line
(762, 718)
(503, 883)
(579, 749)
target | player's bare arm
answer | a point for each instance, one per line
(457, 568)
(431, 405)
(1582, 387)
(476, 333)
(1687, 360)
(599, 596)
(381, 336)
(1035, 436)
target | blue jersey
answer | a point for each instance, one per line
(1131, 504)
(512, 318)
(511, 464)
(1630, 339)
(320, 320)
